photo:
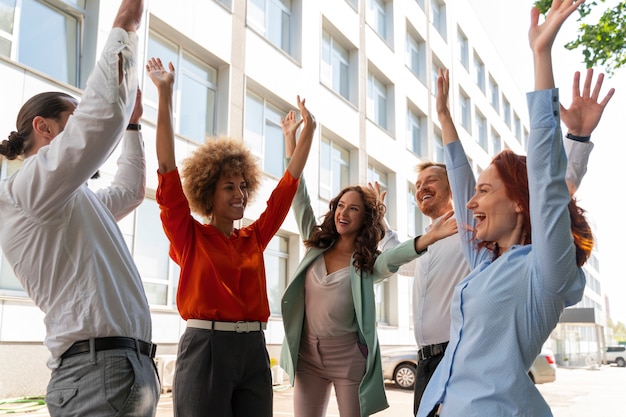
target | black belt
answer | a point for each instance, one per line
(109, 343)
(430, 351)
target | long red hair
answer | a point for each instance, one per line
(513, 172)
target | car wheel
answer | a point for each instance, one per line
(620, 362)
(532, 377)
(404, 376)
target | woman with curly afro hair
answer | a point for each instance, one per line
(329, 308)
(222, 366)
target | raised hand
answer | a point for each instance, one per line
(584, 114)
(290, 125)
(443, 91)
(541, 38)
(376, 189)
(444, 227)
(159, 75)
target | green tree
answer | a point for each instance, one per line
(603, 43)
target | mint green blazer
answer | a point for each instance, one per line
(372, 389)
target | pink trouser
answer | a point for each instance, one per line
(326, 361)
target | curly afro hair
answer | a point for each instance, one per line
(217, 158)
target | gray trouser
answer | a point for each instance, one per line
(222, 374)
(108, 383)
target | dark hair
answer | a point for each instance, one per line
(372, 230)
(514, 174)
(49, 105)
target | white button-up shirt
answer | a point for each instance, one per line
(61, 238)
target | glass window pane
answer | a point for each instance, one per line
(8, 280)
(60, 31)
(157, 48)
(7, 14)
(151, 245)
(254, 124)
(274, 155)
(156, 293)
(5, 47)
(275, 257)
(256, 12)
(197, 109)
(196, 67)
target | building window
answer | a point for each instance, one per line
(465, 110)
(438, 148)
(434, 75)
(417, 140)
(8, 280)
(335, 68)
(334, 168)
(195, 95)
(264, 135)
(150, 252)
(506, 109)
(438, 17)
(415, 220)
(376, 175)
(496, 143)
(479, 73)
(463, 49)
(416, 56)
(380, 18)
(377, 102)
(381, 290)
(276, 257)
(494, 94)
(518, 127)
(481, 131)
(353, 3)
(49, 38)
(274, 19)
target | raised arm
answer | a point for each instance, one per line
(448, 130)
(541, 38)
(303, 146)
(129, 15)
(581, 118)
(164, 82)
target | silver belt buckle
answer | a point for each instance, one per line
(242, 327)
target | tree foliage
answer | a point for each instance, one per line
(603, 43)
(619, 330)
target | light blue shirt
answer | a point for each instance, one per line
(504, 310)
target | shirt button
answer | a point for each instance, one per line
(556, 113)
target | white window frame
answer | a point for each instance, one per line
(378, 101)
(253, 139)
(183, 55)
(416, 55)
(263, 20)
(417, 122)
(482, 132)
(334, 168)
(335, 65)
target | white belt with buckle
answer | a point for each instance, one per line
(227, 326)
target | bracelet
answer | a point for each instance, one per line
(133, 126)
(578, 138)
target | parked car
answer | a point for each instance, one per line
(543, 368)
(616, 355)
(399, 365)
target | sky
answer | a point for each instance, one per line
(507, 23)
